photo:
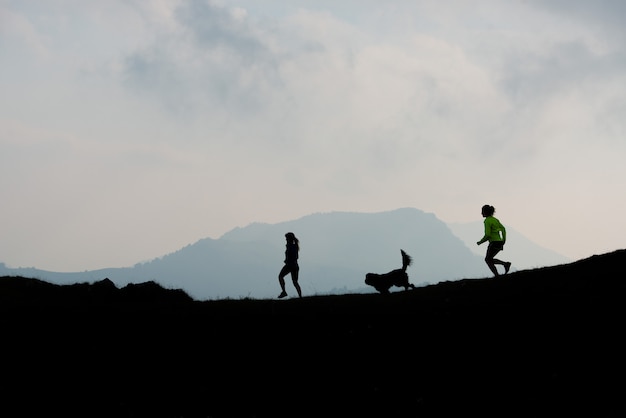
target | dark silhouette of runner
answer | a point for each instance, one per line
(495, 233)
(292, 249)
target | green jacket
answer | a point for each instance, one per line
(494, 230)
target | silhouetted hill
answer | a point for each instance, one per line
(543, 342)
(338, 250)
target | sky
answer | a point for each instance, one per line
(132, 128)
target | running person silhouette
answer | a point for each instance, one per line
(495, 233)
(292, 249)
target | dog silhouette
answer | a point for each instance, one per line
(398, 277)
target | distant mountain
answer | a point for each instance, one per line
(337, 250)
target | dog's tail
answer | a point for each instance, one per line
(406, 260)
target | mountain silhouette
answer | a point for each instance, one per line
(337, 250)
(542, 342)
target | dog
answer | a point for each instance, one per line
(398, 277)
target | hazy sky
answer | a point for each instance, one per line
(132, 128)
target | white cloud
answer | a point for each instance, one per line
(156, 124)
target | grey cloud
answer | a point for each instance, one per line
(151, 73)
(529, 77)
(598, 12)
(214, 60)
(215, 27)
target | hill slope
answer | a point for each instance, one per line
(544, 342)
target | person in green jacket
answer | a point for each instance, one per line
(495, 233)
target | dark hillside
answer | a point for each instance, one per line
(536, 343)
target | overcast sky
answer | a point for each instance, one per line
(132, 128)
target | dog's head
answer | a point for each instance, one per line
(378, 282)
(372, 279)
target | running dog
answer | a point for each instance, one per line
(399, 277)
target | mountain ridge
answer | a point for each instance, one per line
(338, 249)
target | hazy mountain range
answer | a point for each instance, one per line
(337, 250)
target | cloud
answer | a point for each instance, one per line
(211, 60)
(183, 119)
(322, 82)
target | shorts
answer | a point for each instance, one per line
(292, 268)
(496, 245)
(494, 248)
